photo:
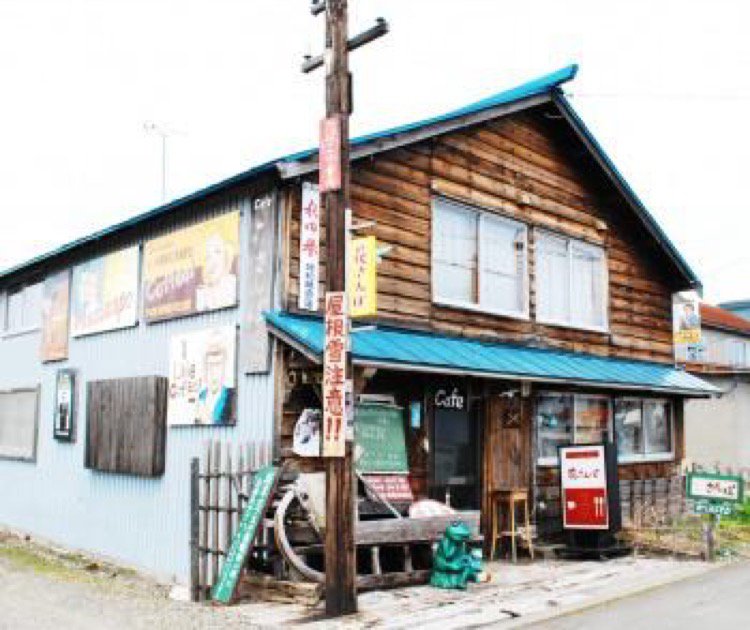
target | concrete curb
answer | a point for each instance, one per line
(571, 609)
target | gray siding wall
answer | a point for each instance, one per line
(141, 522)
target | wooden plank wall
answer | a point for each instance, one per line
(126, 425)
(525, 168)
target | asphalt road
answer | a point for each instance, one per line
(715, 600)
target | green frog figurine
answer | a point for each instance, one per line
(453, 564)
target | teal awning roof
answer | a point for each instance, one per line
(399, 348)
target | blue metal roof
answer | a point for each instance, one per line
(402, 348)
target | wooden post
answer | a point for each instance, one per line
(194, 529)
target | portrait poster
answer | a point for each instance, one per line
(105, 293)
(64, 423)
(202, 384)
(55, 317)
(193, 270)
(686, 324)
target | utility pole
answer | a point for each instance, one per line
(340, 551)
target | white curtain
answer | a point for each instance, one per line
(552, 278)
(502, 251)
(455, 252)
(587, 286)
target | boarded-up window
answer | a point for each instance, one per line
(126, 425)
(19, 411)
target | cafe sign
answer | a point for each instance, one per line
(714, 493)
(450, 398)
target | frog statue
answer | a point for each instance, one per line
(453, 563)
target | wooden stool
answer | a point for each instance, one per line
(503, 504)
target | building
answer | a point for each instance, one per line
(525, 303)
(717, 430)
(738, 307)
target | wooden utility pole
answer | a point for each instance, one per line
(340, 551)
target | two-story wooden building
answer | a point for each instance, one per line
(524, 303)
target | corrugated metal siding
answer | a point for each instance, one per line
(143, 522)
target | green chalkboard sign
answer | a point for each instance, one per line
(380, 437)
(264, 482)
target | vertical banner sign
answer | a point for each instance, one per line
(260, 496)
(330, 154)
(55, 316)
(309, 248)
(583, 481)
(256, 348)
(363, 277)
(686, 324)
(334, 366)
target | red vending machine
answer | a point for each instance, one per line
(590, 498)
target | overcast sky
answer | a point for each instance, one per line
(664, 86)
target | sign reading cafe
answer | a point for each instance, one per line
(449, 398)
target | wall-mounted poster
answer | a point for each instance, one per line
(55, 317)
(686, 325)
(65, 387)
(105, 293)
(202, 385)
(193, 270)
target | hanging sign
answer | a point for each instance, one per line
(334, 379)
(330, 154)
(713, 493)
(583, 482)
(309, 248)
(450, 398)
(264, 482)
(363, 277)
(686, 324)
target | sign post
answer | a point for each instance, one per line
(715, 495)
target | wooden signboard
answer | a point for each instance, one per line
(380, 437)
(264, 483)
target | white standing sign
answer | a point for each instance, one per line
(583, 482)
(309, 248)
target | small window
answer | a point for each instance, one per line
(571, 282)
(24, 309)
(478, 260)
(643, 429)
(564, 419)
(19, 410)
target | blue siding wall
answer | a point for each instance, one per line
(141, 522)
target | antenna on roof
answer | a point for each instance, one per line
(163, 132)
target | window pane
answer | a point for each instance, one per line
(455, 253)
(554, 417)
(552, 278)
(18, 424)
(587, 307)
(658, 427)
(503, 258)
(592, 420)
(32, 308)
(629, 427)
(15, 311)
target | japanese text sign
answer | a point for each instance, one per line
(715, 488)
(583, 481)
(309, 248)
(363, 278)
(330, 154)
(334, 375)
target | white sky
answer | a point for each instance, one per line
(664, 86)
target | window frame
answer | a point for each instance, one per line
(646, 457)
(8, 332)
(480, 214)
(32, 457)
(586, 245)
(553, 461)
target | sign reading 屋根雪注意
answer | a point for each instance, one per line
(334, 375)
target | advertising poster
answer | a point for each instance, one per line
(64, 405)
(105, 293)
(55, 317)
(202, 385)
(193, 270)
(686, 325)
(309, 248)
(363, 277)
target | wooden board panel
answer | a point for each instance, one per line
(126, 425)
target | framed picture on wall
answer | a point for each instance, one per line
(65, 408)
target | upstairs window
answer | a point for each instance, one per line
(478, 260)
(24, 309)
(571, 283)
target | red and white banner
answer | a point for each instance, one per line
(334, 375)
(583, 483)
(309, 248)
(329, 162)
(393, 488)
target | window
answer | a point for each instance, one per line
(569, 419)
(24, 309)
(643, 429)
(478, 260)
(571, 282)
(18, 423)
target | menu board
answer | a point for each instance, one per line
(380, 439)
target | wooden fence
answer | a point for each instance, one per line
(219, 486)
